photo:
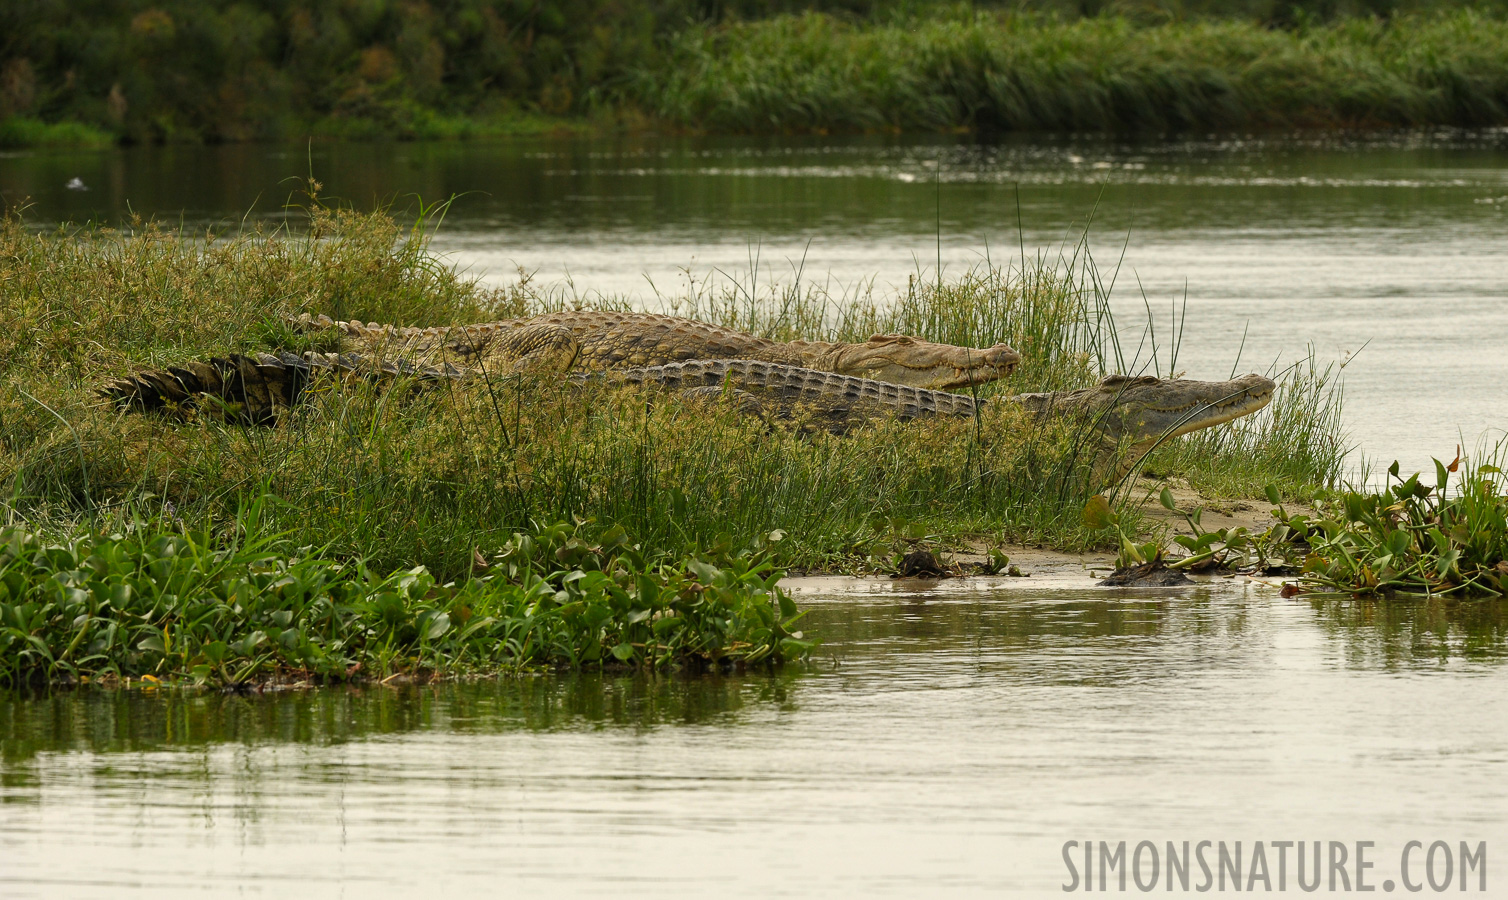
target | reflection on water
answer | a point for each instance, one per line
(1422, 634)
(136, 721)
(947, 740)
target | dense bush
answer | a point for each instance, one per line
(815, 73)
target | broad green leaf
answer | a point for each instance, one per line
(1097, 512)
(649, 589)
(437, 626)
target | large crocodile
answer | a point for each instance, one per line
(597, 340)
(1128, 415)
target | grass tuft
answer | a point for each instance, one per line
(24, 131)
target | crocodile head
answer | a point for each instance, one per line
(900, 359)
(1132, 414)
(1146, 409)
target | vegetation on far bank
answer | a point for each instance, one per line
(1015, 73)
(264, 69)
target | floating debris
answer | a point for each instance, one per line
(1149, 574)
(921, 564)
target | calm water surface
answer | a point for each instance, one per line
(1395, 244)
(947, 742)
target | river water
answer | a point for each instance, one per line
(947, 741)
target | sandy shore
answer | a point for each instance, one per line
(1040, 565)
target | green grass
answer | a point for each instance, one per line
(1018, 72)
(24, 131)
(412, 122)
(351, 534)
(400, 478)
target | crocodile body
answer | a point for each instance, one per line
(599, 340)
(1129, 415)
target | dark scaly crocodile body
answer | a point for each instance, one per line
(259, 387)
(1129, 415)
(595, 340)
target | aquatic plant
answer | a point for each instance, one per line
(161, 601)
(1098, 515)
(1411, 539)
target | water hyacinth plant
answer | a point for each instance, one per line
(164, 603)
(1412, 539)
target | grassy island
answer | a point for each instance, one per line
(361, 486)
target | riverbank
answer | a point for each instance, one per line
(952, 69)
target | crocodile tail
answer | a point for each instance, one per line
(243, 388)
(252, 389)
